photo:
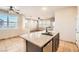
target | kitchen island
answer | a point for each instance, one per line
(35, 42)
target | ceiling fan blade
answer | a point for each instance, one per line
(12, 8)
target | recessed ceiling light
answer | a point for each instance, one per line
(44, 8)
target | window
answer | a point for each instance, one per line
(32, 23)
(44, 23)
(12, 21)
(7, 20)
(40, 24)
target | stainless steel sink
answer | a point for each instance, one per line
(47, 33)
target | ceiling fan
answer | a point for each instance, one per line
(13, 10)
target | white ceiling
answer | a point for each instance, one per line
(36, 11)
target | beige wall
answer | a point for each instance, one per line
(65, 23)
(13, 32)
(77, 25)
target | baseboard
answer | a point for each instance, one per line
(68, 41)
(72, 43)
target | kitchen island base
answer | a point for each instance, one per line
(52, 44)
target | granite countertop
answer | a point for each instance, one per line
(37, 38)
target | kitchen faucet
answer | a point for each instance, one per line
(47, 29)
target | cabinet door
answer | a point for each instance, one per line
(55, 43)
(33, 48)
(48, 47)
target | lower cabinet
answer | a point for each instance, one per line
(30, 47)
(55, 43)
(48, 47)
